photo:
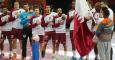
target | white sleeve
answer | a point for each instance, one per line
(14, 14)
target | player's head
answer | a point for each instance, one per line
(48, 9)
(59, 11)
(37, 10)
(73, 4)
(16, 5)
(26, 6)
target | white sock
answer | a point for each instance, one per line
(56, 54)
(14, 50)
(2, 52)
(65, 54)
(53, 54)
(74, 54)
(10, 52)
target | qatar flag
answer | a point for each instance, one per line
(82, 35)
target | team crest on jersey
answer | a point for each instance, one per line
(37, 19)
(5, 18)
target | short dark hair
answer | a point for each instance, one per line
(97, 6)
(26, 4)
(49, 5)
(36, 7)
(16, 2)
(106, 12)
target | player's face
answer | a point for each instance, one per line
(59, 11)
(48, 9)
(73, 4)
(5, 10)
(37, 11)
(101, 13)
(16, 5)
(26, 7)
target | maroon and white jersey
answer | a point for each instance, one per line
(60, 24)
(71, 14)
(38, 29)
(6, 19)
(0, 18)
(54, 14)
(48, 19)
(16, 22)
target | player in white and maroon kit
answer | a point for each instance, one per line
(6, 28)
(37, 27)
(17, 27)
(49, 30)
(60, 29)
(70, 21)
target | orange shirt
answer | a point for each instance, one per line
(107, 22)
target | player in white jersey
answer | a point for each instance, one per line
(49, 30)
(17, 27)
(37, 27)
(6, 28)
(60, 36)
(70, 22)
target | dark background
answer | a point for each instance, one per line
(64, 4)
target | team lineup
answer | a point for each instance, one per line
(95, 30)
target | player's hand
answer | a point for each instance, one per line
(63, 17)
(38, 23)
(62, 22)
(29, 17)
(51, 23)
(88, 18)
(7, 18)
(17, 14)
(35, 37)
